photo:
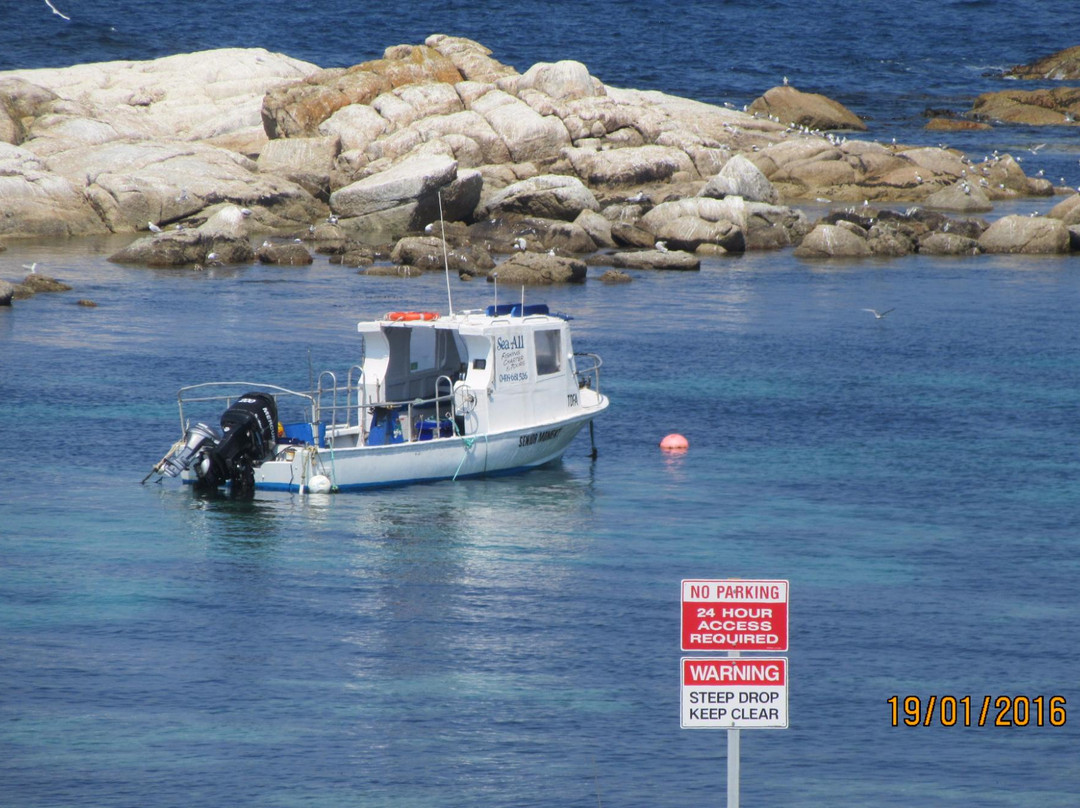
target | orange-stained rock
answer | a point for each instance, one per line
(790, 106)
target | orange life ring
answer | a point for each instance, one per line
(398, 316)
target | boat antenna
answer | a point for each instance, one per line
(445, 258)
(495, 278)
(522, 300)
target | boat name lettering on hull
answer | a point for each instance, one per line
(538, 437)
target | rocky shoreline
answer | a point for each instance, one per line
(540, 173)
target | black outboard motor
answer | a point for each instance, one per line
(248, 430)
(249, 427)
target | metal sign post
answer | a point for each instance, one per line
(733, 760)
(734, 692)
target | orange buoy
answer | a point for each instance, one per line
(674, 443)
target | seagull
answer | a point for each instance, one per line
(662, 246)
(32, 267)
(332, 219)
(245, 212)
(153, 227)
(1035, 149)
(520, 244)
(785, 81)
(57, 13)
(879, 314)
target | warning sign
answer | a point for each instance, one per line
(734, 693)
(735, 615)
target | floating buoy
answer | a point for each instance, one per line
(674, 443)
(319, 484)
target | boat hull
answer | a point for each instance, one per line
(419, 461)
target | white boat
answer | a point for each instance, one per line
(434, 397)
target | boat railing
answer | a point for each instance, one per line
(587, 367)
(185, 396)
(441, 407)
(330, 404)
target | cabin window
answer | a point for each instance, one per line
(548, 352)
(422, 349)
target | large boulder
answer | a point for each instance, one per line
(740, 177)
(656, 259)
(1064, 65)
(502, 234)
(298, 109)
(631, 166)
(832, 241)
(539, 269)
(208, 95)
(405, 185)
(1060, 105)
(790, 106)
(688, 223)
(597, 227)
(548, 196)
(528, 135)
(431, 253)
(7, 291)
(308, 162)
(39, 203)
(565, 80)
(356, 126)
(132, 184)
(222, 239)
(948, 244)
(1031, 235)
(1067, 210)
(471, 59)
(964, 196)
(690, 232)
(283, 254)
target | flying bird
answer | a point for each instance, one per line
(32, 267)
(879, 314)
(57, 13)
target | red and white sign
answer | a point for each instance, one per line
(734, 615)
(734, 693)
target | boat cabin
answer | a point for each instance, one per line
(427, 376)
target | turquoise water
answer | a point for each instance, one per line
(514, 641)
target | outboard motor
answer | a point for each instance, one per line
(248, 429)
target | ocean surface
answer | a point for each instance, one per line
(515, 641)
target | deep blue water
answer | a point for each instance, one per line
(889, 64)
(515, 641)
